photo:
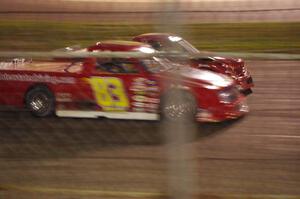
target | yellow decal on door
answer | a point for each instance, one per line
(109, 93)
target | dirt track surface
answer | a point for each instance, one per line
(258, 154)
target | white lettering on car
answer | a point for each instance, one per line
(37, 78)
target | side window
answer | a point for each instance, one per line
(129, 67)
(116, 66)
(156, 45)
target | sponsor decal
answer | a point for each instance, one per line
(151, 106)
(140, 80)
(64, 97)
(145, 105)
(13, 63)
(37, 78)
(142, 98)
(144, 86)
(152, 89)
(139, 88)
(151, 82)
(145, 96)
(135, 109)
(139, 98)
(153, 100)
(138, 104)
(138, 84)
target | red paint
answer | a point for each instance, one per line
(79, 95)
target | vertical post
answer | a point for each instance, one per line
(182, 178)
(179, 135)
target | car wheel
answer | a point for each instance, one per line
(178, 105)
(40, 102)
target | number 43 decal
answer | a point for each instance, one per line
(110, 93)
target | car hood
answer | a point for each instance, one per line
(229, 61)
(203, 77)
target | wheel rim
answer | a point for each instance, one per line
(39, 103)
(175, 110)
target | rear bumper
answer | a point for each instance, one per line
(224, 112)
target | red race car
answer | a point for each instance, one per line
(121, 88)
(234, 68)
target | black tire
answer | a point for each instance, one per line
(178, 105)
(40, 101)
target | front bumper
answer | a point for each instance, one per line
(224, 112)
(244, 84)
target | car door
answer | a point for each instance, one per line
(109, 82)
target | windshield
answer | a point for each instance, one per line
(174, 44)
(157, 65)
(189, 48)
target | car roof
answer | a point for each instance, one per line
(152, 36)
(117, 45)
